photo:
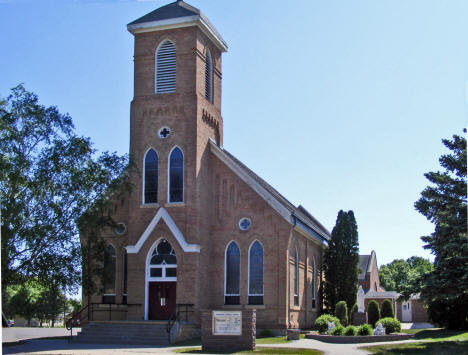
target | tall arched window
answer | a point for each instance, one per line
(176, 175)
(124, 276)
(232, 274)
(150, 194)
(165, 70)
(296, 279)
(256, 273)
(208, 76)
(314, 286)
(108, 280)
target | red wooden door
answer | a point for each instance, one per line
(162, 300)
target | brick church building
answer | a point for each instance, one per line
(200, 230)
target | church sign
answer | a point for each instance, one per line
(227, 323)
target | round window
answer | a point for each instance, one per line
(164, 132)
(121, 228)
(244, 224)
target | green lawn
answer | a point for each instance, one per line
(265, 340)
(433, 342)
(260, 350)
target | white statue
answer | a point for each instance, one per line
(331, 326)
(380, 330)
(360, 299)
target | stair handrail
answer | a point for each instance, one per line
(76, 319)
(175, 316)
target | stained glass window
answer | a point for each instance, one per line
(109, 271)
(296, 279)
(151, 177)
(256, 273)
(232, 274)
(176, 176)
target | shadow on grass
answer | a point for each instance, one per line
(436, 348)
(437, 333)
(259, 350)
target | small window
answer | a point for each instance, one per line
(109, 275)
(314, 286)
(208, 76)
(165, 68)
(124, 289)
(176, 175)
(151, 177)
(232, 274)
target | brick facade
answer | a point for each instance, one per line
(217, 195)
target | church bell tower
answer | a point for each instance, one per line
(176, 106)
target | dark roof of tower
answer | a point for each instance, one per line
(173, 10)
(365, 264)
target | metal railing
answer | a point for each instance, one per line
(181, 308)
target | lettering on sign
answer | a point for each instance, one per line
(165, 111)
(227, 323)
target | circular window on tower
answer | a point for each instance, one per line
(164, 132)
(244, 224)
(121, 228)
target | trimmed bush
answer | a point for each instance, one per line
(321, 323)
(341, 312)
(352, 312)
(364, 329)
(390, 324)
(265, 333)
(373, 313)
(339, 330)
(350, 330)
(387, 309)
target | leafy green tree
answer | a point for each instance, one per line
(24, 302)
(404, 276)
(75, 305)
(444, 203)
(341, 260)
(49, 178)
(51, 303)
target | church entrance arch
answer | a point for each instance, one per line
(161, 275)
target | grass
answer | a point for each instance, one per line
(264, 340)
(426, 348)
(434, 342)
(259, 350)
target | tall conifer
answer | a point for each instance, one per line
(341, 260)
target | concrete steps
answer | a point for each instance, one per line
(138, 333)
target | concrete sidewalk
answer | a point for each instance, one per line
(16, 334)
(62, 346)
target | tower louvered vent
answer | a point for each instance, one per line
(166, 68)
(209, 77)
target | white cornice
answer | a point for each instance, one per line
(162, 214)
(179, 22)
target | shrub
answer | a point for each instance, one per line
(390, 324)
(387, 309)
(350, 330)
(352, 312)
(373, 313)
(339, 330)
(321, 323)
(265, 333)
(341, 312)
(364, 329)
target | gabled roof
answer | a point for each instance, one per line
(174, 15)
(297, 216)
(365, 264)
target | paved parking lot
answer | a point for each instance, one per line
(13, 334)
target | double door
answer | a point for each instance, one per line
(162, 300)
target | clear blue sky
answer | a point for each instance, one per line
(338, 104)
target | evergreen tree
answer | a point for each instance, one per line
(387, 309)
(444, 203)
(373, 313)
(341, 260)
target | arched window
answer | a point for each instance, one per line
(165, 68)
(314, 286)
(208, 76)
(163, 263)
(176, 175)
(150, 194)
(124, 276)
(256, 273)
(232, 274)
(296, 279)
(108, 280)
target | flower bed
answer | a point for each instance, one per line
(341, 339)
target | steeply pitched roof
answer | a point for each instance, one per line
(173, 10)
(363, 262)
(174, 15)
(295, 215)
